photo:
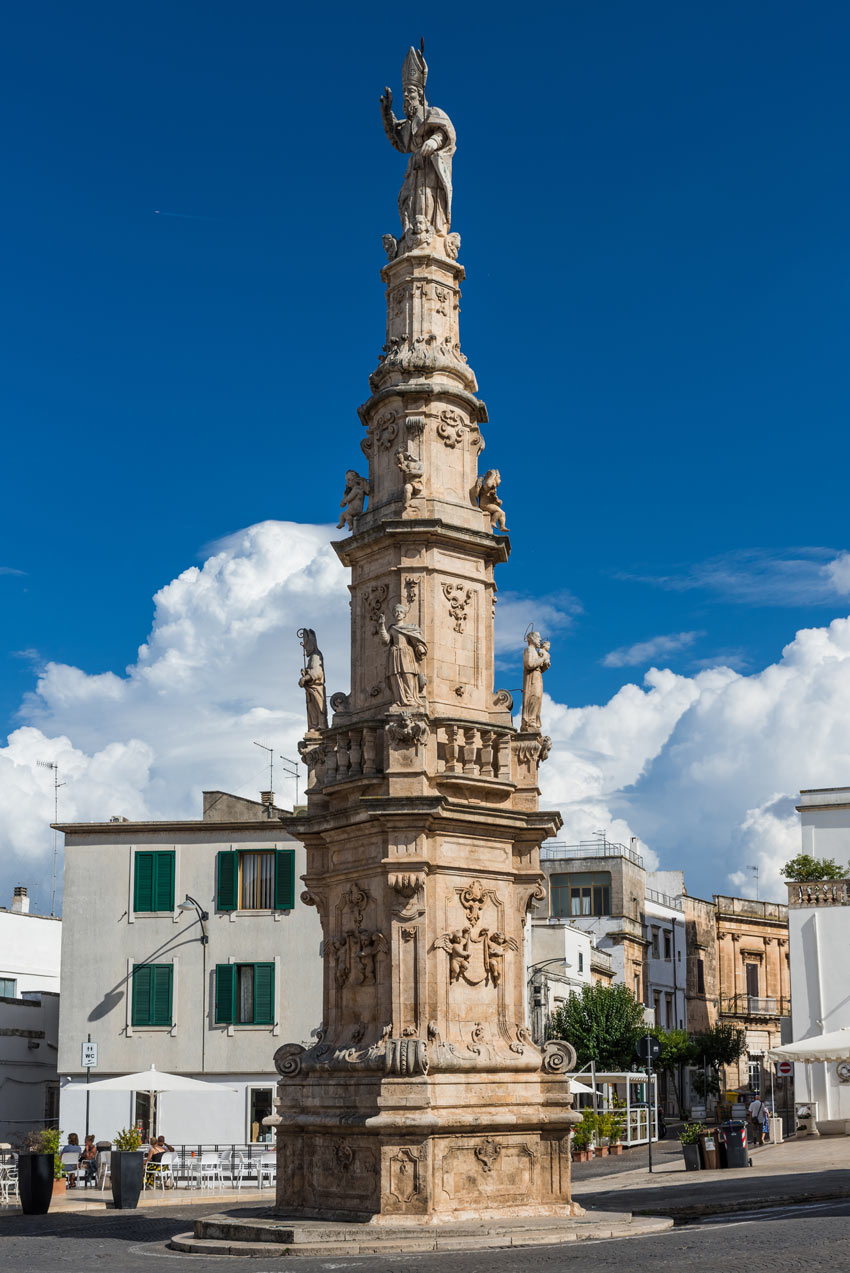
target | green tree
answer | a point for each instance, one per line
(602, 1023)
(714, 1048)
(804, 867)
(677, 1050)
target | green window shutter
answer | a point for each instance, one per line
(264, 994)
(227, 891)
(163, 889)
(141, 1004)
(161, 984)
(143, 882)
(225, 994)
(284, 879)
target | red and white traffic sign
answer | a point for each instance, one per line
(784, 1068)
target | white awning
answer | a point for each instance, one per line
(153, 1080)
(834, 1046)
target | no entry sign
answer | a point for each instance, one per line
(784, 1068)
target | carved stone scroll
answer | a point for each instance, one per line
(458, 597)
(558, 1057)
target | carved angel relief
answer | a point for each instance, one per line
(462, 945)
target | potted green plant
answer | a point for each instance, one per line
(582, 1137)
(690, 1137)
(39, 1166)
(126, 1168)
(614, 1124)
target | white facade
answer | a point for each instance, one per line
(819, 945)
(666, 953)
(30, 947)
(112, 950)
(558, 964)
(29, 1018)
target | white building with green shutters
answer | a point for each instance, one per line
(139, 981)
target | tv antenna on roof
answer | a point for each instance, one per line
(270, 750)
(49, 764)
(755, 872)
(293, 772)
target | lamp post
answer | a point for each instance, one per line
(189, 903)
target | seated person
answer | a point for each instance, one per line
(73, 1146)
(88, 1160)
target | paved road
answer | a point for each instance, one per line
(787, 1240)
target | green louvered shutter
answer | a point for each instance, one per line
(264, 994)
(143, 882)
(225, 994)
(163, 887)
(284, 880)
(161, 985)
(227, 891)
(141, 1005)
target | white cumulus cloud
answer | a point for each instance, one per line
(703, 769)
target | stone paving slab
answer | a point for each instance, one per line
(258, 1237)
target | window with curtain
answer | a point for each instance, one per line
(256, 881)
(583, 894)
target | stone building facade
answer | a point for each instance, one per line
(138, 981)
(753, 981)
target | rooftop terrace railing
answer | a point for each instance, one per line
(554, 850)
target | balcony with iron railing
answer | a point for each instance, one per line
(664, 899)
(555, 850)
(754, 1006)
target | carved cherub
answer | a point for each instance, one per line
(496, 945)
(342, 962)
(371, 945)
(353, 498)
(414, 470)
(484, 495)
(456, 946)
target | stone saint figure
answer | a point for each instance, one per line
(427, 135)
(312, 681)
(535, 661)
(406, 648)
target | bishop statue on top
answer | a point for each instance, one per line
(427, 135)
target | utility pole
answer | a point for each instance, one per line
(49, 764)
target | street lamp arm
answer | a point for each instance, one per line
(202, 914)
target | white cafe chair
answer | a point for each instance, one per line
(231, 1166)
(267, 1169)
(104, 1167)
(206, 1171)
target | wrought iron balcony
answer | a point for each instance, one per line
(754, 1006)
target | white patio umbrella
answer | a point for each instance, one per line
(154, 1080)
(833, 1046)
(580, 1088)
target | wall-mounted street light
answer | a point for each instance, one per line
(190, 904)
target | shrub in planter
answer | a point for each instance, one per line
(39, 1165)
(690, 1137)
(583, 1135)
(127, 1168)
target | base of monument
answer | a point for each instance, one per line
(252, 1233)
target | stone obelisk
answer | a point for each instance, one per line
(423, 1097)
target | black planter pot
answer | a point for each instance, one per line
(692, 1157)
(127, 1169)
(35, 1182)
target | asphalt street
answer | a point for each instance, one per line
(782, 1240)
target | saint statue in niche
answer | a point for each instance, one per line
(427, 135)
(407, 648)
(535, 661)
(312, 681)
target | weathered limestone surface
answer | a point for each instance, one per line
(423, 1096)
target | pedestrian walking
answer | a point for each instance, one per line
(757, 1111)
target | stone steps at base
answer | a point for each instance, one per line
(590, 1227)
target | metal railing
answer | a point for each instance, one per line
(601, 848)
(664, 899)
(755, 1006)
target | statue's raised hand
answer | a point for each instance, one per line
(387, 101)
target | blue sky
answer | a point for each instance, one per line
(652, 201)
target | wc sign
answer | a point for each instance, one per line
(784, 1069)
(89, 1058)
